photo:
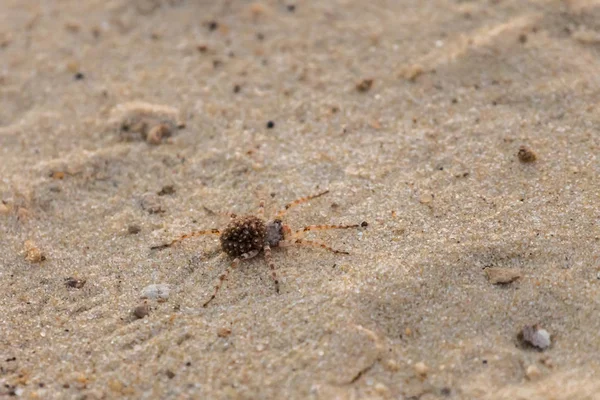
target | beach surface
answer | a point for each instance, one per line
(462, 135)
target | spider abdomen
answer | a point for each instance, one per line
(243, 235)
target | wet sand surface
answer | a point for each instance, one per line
(124, 124)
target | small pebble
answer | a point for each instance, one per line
(392, 365)
(167, 190)
(426, 198)
(134, 229)
(141, 311)
(74, 283)
(79, 76)
(4, 210)
(382, 390)
(526, 155)
(59, 175)
(421, 369)
(536, 337)
(212, 25)
(270, 125)
(364, 224)
(156, 134)
(364, 85)
(33, 253)
(223, 332)
(533, 373)
(159, 291)
(502, 275)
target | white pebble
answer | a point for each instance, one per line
(421, 369)
(158, 291)
(536, 336)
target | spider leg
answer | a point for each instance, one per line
(269, 260)
(300, 232)
(261, 210)
(234, 264)
(310, 243)
(301, 200)
(219, 213)
(187, 236)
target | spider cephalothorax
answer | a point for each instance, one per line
(246, 236)
(276, 232)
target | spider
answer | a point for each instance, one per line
(246, 236)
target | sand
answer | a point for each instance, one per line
(124, 124)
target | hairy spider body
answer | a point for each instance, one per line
(246, 236)
(243, 235)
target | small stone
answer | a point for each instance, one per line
(526, 155)
(212, 25)
(426, 198)
(533, 373)
(4, 210)
(74, 283)
(536, 337)
(382, 390)
(167, 190)
(223, 332)
(59, 175)
(364, 85)
(157, 133)
(364, 224)
(421, 369)
(502, 275)
(33, 253)
(522, 38)
(141, 311)
(134, 229)
(170, 374)
(392, 365)
(159, 291)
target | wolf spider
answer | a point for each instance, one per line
(246, 236)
